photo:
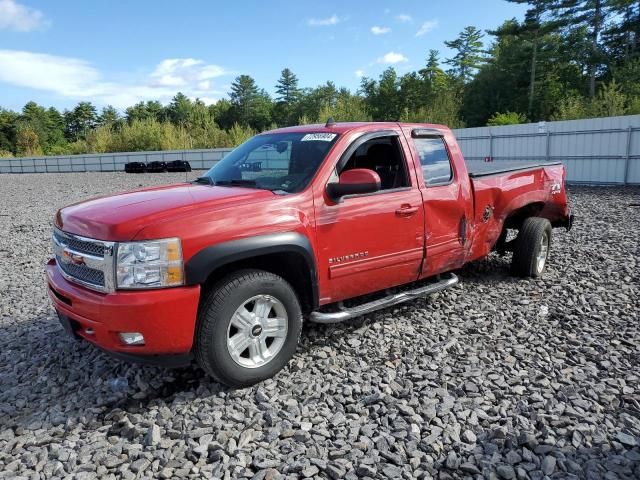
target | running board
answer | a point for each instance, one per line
(347, 313)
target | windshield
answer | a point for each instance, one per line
(279, 161)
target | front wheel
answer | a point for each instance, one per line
(248, 328)
(532, 246)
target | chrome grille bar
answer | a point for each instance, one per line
(85, 261)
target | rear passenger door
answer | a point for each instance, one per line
(444, 205)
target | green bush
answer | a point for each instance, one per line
(506, 118)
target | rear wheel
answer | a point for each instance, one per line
(532, 246)
(248, 328)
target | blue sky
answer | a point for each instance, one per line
(121, 52)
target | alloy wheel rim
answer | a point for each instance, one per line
(257, 331)
(543, 251)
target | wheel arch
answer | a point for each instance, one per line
(289, 255)
(518, 215)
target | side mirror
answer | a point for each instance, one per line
(352, 182)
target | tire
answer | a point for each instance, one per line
(532, 246)
(234, 308)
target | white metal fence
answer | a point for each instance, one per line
(595, 151)
(109, 162)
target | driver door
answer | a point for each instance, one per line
(370, 242)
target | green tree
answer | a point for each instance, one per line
(109, 116)
(250, 106)
(244, 92)
(287, 95)
(609, 102)
(222, 113)
(347, 108)
(287, 87)
(55, 127)
(80, 120)
(179, 109)
(433, 74)
(531, 32)
(469, 53)
(628, 77)
(28, 143)
(151, 110)
(622, 36)
(8, 130)
(592, 14)
(383, 97)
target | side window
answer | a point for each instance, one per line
(384, 156)
(434, 159)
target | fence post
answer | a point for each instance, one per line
(548, 146)
(490, 145)
(627, 160)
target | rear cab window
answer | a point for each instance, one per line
(434, 160)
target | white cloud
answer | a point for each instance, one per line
(179, 72)
(427, 27)
(20, 18)
(77, 79)
(359, 73)
(404, 18)
(324, 22)
(376, 30)
(392, 58)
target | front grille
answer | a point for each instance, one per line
(85, 261)
(82, 273)
(80, 245)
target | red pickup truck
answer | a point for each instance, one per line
(291, 224)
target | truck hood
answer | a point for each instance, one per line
(120, 217)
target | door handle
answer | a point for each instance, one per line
(406, 211)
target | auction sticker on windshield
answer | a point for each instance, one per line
(321, 137)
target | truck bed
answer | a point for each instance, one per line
(501, 188)
(477, 169)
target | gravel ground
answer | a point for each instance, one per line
(495, 378)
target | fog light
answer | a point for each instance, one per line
(132, 338)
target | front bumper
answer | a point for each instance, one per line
(165, 317)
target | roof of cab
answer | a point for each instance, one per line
(344, 127)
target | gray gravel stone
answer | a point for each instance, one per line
(497, 376)
(153, 435)
(506, 471)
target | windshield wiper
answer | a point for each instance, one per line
(236, 182)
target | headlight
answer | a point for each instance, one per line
(150, 264)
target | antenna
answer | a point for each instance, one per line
(330, 122)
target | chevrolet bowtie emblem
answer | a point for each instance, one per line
(72, 258)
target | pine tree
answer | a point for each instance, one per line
(622, 36)
(250, 106)
(470, 54)
(536, 24)
(594, 15)
(287, 87)
(243, 93)
(288, 94)
(179, 110)
(109, 116)
(80, 120)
